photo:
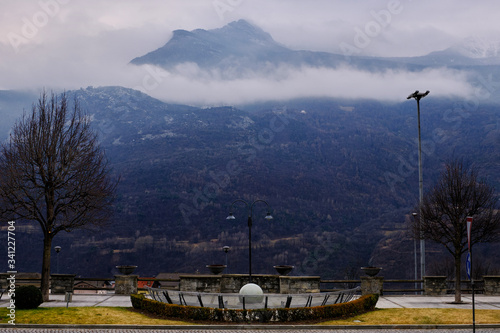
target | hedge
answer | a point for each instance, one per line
(342, 310)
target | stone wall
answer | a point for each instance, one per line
(299, 284)
(200, 283)
(232, 283)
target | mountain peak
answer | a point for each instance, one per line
(241, 23)
(208, 48)
(243, 26)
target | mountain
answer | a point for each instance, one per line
(472, 53)
(240, 50)
(478, 48)
(340, 177)
(238, 47)
(12, 105)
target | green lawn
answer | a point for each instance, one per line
(85, 315)
(129, 316)
(420, 317)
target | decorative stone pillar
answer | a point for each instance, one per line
(372, 285)
(435, 285)
(62, 283)
(491, 285)
(126, 284)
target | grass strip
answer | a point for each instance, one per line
(129, 316)
(87, 316)
(419, 317)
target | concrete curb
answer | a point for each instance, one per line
(249, 327)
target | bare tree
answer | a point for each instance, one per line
(53, 171)
(459, 193)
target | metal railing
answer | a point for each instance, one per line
(260, 301)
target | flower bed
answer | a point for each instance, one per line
(342, 310)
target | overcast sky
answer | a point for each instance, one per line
(68, 44)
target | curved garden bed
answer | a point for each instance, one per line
(341, 310)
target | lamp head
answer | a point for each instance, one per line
(230, 216)
(226, 249)
(418, 95)
(57, 248)
(423, 94)
(412, 95)
(268, 216)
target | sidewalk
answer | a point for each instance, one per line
(384, 302)
(80, 300)
(482, 302)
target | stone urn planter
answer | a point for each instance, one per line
(371, 271)
(126, 269)
(283, 269)
(216, 269)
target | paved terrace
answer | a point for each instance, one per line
(385, 302)
(482, 302)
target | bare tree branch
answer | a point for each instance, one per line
(459, 193)
(53, 171)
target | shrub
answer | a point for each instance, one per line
(27, 297)
(341, 310)
(136, 300)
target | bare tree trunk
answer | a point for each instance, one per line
(458, 289)
(53, 171)
(45, 284)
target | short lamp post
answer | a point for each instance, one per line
(226, 250)
(250, 209)
(57, 249)
(415, 250)
(418, 96)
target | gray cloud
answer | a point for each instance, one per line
(192, 85)
(67, 44)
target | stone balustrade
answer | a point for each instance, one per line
(272, 284)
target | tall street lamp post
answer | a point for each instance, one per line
(418, 96)
(250, 209)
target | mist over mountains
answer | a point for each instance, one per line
(242, 64)
(340, 174)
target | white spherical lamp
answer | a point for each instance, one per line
(252, 292)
